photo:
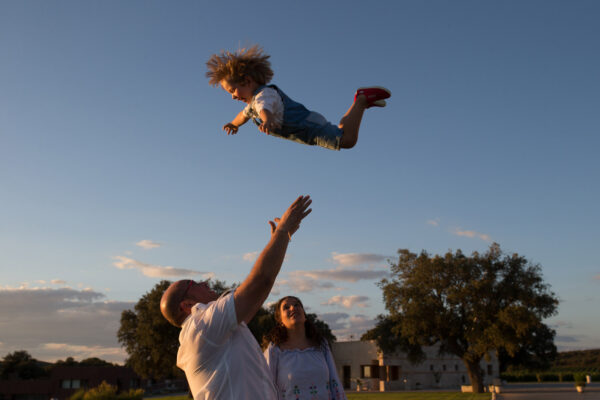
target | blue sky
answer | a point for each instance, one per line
(115, 173)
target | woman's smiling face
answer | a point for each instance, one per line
(292, 312)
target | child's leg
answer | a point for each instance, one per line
(350, 122)
(364, 98)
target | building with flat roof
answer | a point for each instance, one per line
(362, 362)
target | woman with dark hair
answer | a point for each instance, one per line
(299, 357)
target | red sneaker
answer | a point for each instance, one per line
(374, 95)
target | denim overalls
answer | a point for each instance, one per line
(302, 125)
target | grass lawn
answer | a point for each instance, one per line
(419, 396)
(391, 396)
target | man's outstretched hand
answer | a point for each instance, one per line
(291, 218)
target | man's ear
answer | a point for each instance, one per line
(186, 306)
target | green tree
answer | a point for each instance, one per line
(536, 352)
(470, 306)
(150, 340)
(21, 365)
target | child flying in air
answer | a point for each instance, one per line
(246, 73)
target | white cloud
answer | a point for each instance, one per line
(301, 284)
(346, 327)
(342, 274)
(352, 259)
(147, 244)
(434, 222)
(58, 282)
(80, 352)
(157, 271)
(335, 320)
(251, 256)
(561, 324)
(347, 301)
(31, 318)
(472, 234)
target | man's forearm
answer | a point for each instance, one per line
(251, 294)
(259, 282)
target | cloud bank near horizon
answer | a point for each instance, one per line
(81, 323)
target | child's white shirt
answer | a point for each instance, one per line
(267, 99)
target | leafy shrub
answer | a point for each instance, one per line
(78, 395)
(579, 379)
(106, 391)
(132, 394)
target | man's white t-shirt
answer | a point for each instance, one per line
(220, 357)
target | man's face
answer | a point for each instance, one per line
(240, 91)
(200, 292)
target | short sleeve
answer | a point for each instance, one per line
(337, 391)
(248, 111)
(272, 356)
(268, 99)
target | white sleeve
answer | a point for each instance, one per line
(248, 110)
(270, 100)
(219, 319)
(272, 356)
(337, 391)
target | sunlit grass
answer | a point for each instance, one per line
(419, 396)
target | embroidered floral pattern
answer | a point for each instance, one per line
(335, 389)
(313, 391)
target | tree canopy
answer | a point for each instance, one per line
(21, 365)
(150, 340)
(92, 361)
(469, 306)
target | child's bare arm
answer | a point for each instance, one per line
(268, 121)
(232, 127)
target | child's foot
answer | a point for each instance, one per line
(374, 95)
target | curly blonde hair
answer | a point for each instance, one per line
(236, 67)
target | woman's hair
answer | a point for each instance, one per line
(236, 67)
(279, 335)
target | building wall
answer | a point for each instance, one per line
(357, 359)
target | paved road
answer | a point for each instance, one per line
(556, 391)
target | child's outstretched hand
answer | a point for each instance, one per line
(269, 123)
(267, 127)
(230, 128)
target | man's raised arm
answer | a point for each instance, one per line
(255, 289)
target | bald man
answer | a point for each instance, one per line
(217, 351)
